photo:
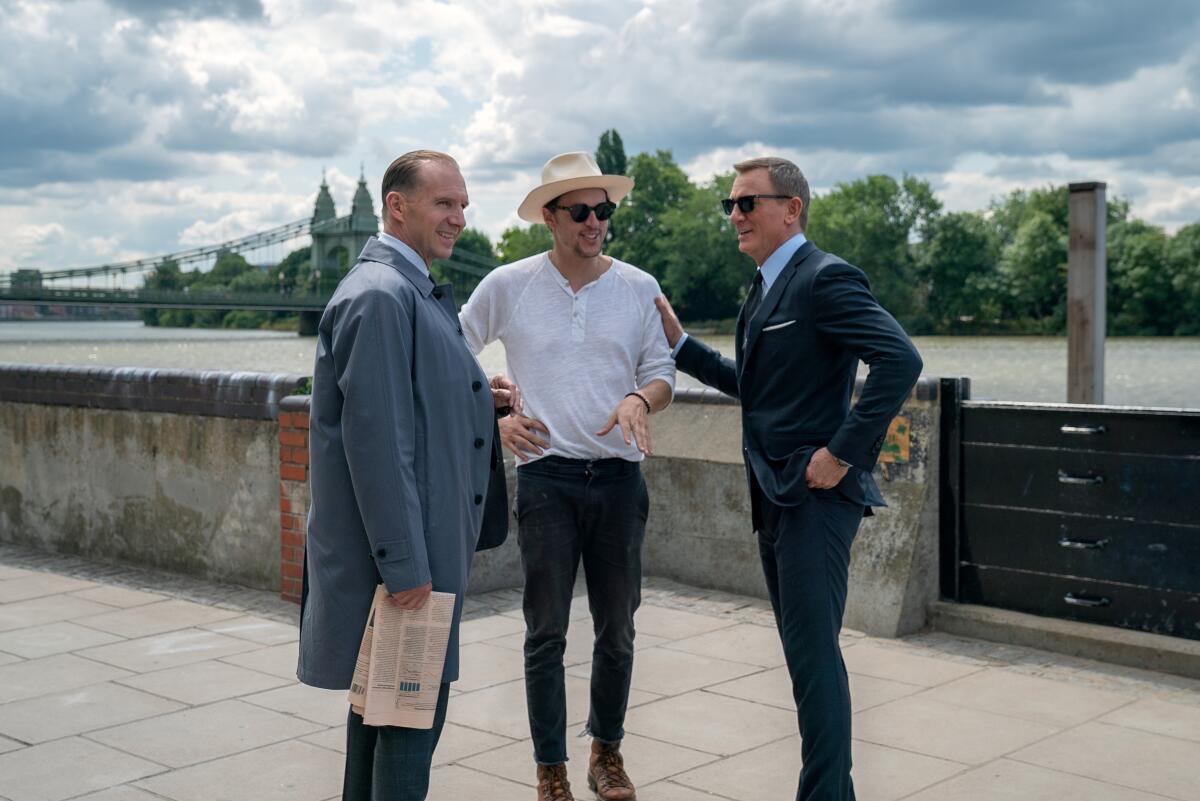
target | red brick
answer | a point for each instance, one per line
(293, 538)
(300, 420)
(290, 590)
(290, 555)
(285, 505)
(293, 472)
(289, 522)
(295, 438)
(285, 420)
(285, 453)
(291, 570)
(300, 455)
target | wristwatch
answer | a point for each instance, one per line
(842, 462)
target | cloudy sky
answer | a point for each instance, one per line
(137, 127)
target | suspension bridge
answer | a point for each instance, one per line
(334, 242)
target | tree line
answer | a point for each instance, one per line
(999, 270)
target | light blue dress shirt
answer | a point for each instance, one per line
(405, 250)
(770, 269)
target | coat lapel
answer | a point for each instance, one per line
(754, 326)
(739, 332)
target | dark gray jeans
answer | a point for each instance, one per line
(570, 510)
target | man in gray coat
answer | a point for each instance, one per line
(402, 454)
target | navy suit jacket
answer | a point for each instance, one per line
(794, 375)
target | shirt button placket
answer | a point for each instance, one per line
(578, 315)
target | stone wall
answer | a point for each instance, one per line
(168, 469)
(207, 474)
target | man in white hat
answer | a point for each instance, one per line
(585, 345)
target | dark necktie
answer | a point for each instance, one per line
(753, 298)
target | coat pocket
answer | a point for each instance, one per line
(778, 326)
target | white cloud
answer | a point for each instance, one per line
(132, 127)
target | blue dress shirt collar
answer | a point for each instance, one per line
(405, 250)
(773, 266)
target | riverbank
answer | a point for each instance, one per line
(1140, 371)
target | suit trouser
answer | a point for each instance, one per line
(805, 552)
(390, 763)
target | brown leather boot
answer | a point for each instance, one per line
(553, 784)
(606, 773)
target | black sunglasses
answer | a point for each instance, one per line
(745, 203)
(580, 211)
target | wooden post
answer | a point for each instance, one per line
(1086, 286)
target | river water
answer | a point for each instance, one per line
(1140, 371)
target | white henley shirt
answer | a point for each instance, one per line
(574, 355)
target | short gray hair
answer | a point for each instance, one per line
(404, 174)
(786, 179)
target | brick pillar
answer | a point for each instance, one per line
(293, 494)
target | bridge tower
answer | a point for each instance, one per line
(337, 241)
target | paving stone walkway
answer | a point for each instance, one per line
(121, 684)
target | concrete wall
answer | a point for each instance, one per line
(193, 492)
(186, 471)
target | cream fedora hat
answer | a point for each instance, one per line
(567, 172)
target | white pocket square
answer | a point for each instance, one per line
(778, 326)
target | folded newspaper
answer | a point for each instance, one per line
(399, 670)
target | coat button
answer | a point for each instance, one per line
(479, 442)
(382, 552)
(478, 499)
(476, 386)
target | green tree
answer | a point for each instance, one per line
(1009, 212)
(243, 318)
(295, 270)
(254, 281)
(870, 223)
(636, 230)
(1016, 207)
(610, 154)
(1184, 255)
(227, 267)
(519, 242)
(957, 266)
(165, 277)
(1141, 298)
(706, 275)
(175, 318)
(470, 260)
(1033, 273)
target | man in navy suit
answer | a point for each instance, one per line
(808, 320)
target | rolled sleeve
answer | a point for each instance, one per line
(655, 360)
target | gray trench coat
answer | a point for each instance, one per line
(401, 452)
